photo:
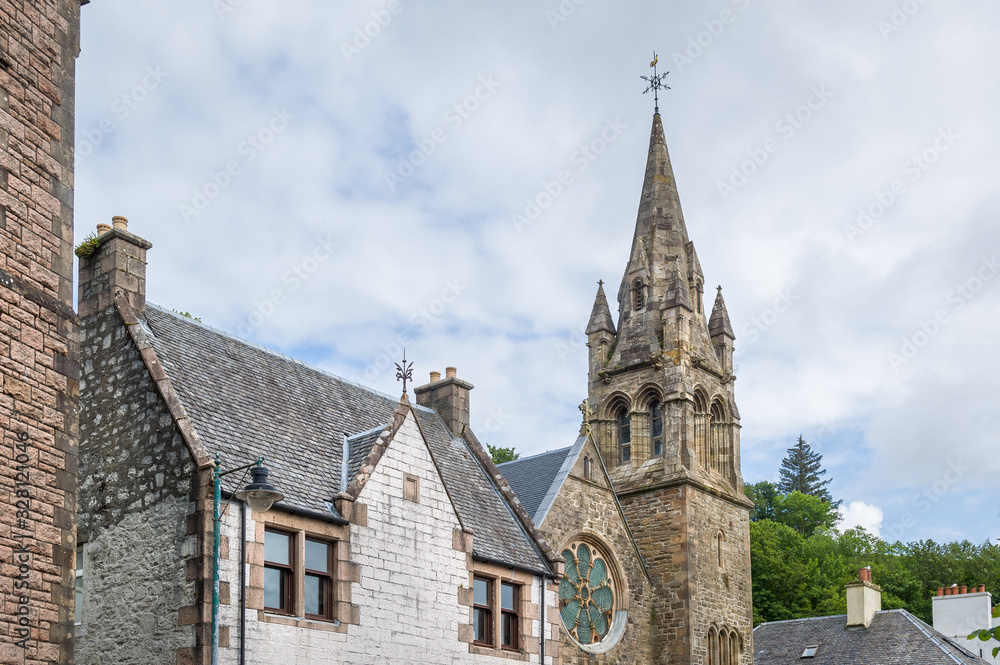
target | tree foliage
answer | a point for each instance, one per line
(796, 575)
(501, 455)
(805, 513)
(801, 471)
(762, 494)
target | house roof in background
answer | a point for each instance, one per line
(895, 637)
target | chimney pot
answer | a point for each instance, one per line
(435, 376)
(964, 590)
(102, 229)
(940, 591)
(982, 588)
(120, 223)
(450, 372)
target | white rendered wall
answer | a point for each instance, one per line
(410, 576)
(958, 616)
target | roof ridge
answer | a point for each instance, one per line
(524, 459)
(259, 347)
(831, 616)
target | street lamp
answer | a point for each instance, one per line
(260, 496)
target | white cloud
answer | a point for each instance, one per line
(819, 367)
(859, 513)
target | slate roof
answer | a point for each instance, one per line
(497, 534)
(895, 637)
(537, 477)
(245, 400)
(359, 446)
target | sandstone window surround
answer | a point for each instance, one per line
(316, 571)
(501, 612)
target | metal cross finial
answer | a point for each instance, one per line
(404, 372)
(656, 82)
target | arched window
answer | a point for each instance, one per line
(637, 295)
(624, 435)
(588, 468)
(718, 412)
(724, 646)
(656, 427)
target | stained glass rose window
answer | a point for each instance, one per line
(586, 594)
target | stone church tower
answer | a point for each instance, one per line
(665, 420)
(39, 355)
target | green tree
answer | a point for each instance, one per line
(805, 513)
(792, 574)
(501, 455)
(763, 495)
(801, 471)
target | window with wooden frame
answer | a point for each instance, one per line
(317, 590)
(482, 611)
(510, 621)
(278, 571)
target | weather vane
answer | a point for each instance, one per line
(656, 82)
(404, 372)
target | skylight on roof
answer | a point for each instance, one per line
(810, 652)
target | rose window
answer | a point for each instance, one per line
(586, 595)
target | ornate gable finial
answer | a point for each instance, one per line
(656, 82)
(404, 372)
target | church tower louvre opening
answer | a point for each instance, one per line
(661, 388)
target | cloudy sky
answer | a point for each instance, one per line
(337, 180)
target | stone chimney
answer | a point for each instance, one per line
(449, 397)
(959, 611)
(864, 599)
(114, 261)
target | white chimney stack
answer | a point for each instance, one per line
(864, 599)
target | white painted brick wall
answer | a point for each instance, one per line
(410, 575)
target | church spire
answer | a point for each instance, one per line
(600, 317)
(719, 323)
(660, 203)
(660, 246)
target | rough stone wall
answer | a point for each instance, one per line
(39, 370)
(720, 594)
(588, 507)
(410, 577)
(677, 530)
(135, 499)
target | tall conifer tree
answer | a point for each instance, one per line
(801, 471)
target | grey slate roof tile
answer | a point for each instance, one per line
(245, 400)
(532, 477)
(895, 637)
(359, 446)
(497, 534)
